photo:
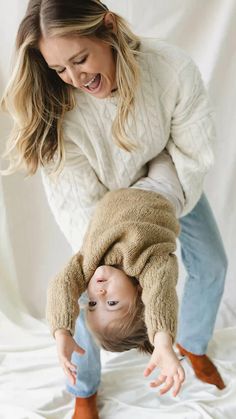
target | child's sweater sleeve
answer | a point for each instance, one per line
(63, 294)
(158, 280)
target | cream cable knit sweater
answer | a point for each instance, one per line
(134, 229)
(171, 111)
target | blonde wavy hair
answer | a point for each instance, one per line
(36, 97)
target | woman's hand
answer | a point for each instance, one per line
(164, 357)
(66, 345)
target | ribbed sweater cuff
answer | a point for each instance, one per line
(62, 321)
(161, 325)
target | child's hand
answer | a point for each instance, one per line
(164, 357)
(66, 345)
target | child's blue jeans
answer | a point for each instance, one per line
(205, 261)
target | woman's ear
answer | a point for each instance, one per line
(110, 22)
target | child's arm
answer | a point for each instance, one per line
(63, 309)
(160, 300)
(66, 345)
(172, 373)
(63, 293)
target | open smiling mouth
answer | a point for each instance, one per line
(94, 83)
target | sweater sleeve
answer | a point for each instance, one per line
(73, 195)
(62, 296)
(192, 134)
(163, 178)
(158, 281)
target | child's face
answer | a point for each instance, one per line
(110, 293)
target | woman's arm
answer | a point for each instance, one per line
(192, 134)
(162, 178)
(73, 196)
(190, 145)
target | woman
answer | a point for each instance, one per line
(94, 104)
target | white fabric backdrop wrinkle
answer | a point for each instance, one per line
(32, 248)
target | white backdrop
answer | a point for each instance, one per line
(32, 247)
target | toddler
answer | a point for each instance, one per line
(128, 267)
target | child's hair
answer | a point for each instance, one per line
(126, 332)
(36, 97)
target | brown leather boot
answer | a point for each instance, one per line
(86, 408)
(204, 368)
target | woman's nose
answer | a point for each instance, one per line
(74, 77)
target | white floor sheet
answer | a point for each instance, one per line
(32, 385)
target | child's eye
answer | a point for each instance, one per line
(112, 303)
(92, 303)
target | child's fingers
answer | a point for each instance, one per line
(70, 374)
(177, 385)
(178, 380)
(70, 370)
(167, 386)
(79, 350)
(71, 367)
(66, 363)
(149, 369)
(181, 374)
(160, 380)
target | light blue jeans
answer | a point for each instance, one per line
(206, 264)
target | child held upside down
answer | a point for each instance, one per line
(128, 268)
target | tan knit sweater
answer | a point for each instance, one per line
(137, 230)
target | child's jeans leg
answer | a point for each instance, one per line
(89, 364)
(205, 261)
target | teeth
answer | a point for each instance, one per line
(90, 82)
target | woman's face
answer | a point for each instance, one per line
(85, 63)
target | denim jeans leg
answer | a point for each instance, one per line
(205, 261)
(89, 364)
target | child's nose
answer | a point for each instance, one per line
(101, 291)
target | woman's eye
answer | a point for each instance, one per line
(81, 61)
(112, 303)
(60, 71)
(92, 303)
